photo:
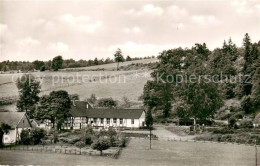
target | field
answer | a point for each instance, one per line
(138, 153)
(82, 81)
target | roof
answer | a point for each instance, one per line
(115, 113)
(15, 119)
(78, 108)
(35, 122)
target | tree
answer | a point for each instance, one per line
(101, 144)
(202, 49)
(38, 64)
(55, 107)
(57, 63)
(149, 124)
(199, 101)
(4, 129)
(92, 99)
(29, 89)
(107, 103)
(96, 61)
(126, 102)
(118, 57)
(128, 58)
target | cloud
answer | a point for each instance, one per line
(151, 9)
(59, 47)
(176, 12)
(148, 9)
(243, 6)
(80, 23)
(4, 31)
(204, 20)
(135, 30)
(139, 49)
(27, 42)
(3, 28)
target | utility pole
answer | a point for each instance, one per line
(150, 137)
(255, 154)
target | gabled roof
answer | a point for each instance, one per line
(15, 119)
(78, 108)
(115, 113)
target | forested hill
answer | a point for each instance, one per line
(196, 82)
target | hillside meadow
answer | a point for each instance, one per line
(84, 82)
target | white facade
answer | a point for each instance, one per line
(13, 135)
(81, 122)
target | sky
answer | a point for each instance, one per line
(43, 29)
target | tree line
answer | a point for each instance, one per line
(58, 63)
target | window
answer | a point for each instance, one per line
(121, 121)
(114, 120)
(102, 120)
(133, 121)
(108, 120)
(95, 120)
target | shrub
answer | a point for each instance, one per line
(25, 137)
(223, 131)
(37, 135)
(80, 144)
(73, 140)
(247, 105)
(246, 124)
(88, 140)
(123, 142)
(232, 122)
(34, 138)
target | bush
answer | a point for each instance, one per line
(223, 131)
(25, 137)
(231, 122)
(34, 138)
(123, 142)
(246, 124)
(247, 105)
(88, 140)
(80, 144)
(37, 135)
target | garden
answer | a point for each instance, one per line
(85, 141)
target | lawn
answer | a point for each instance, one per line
(138, 153)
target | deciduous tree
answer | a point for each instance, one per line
(29, 89)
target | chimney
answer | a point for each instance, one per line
(73, 102)
(87, 105)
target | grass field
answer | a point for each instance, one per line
(138, 153)
(112, 83)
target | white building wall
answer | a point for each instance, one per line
(81, 122)
(10, 137)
